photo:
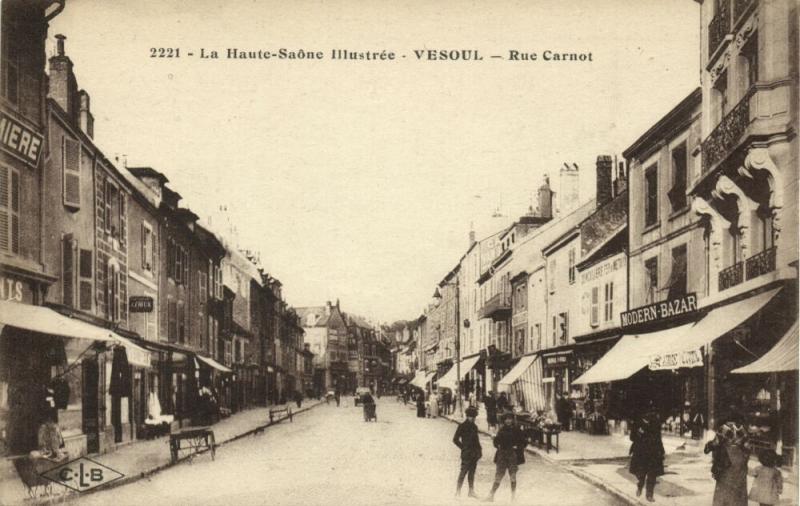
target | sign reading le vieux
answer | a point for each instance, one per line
(660, 310)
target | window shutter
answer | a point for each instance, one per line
(118, 300)
(108, 189)
(14, 211)
(186, 267)
(71, 165)
(85, 288)
(595, 303)
(123, 220)
(172, 324)
(145, 238)
(5, 208)
(68, 271)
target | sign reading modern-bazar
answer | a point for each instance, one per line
(660, 310)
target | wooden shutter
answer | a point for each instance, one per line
(123, 220)
(595, 305)
(172, 323)
(5, 208)
(14, 211)
(68, 271)
(178, 263)
(185, 266)
(109, 189)
(85, 275)
(181, 322)
(145, 238)
(71, 168)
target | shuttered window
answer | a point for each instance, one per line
(147, 248)
(609, 305)
(85, 289)
(181, 322)
(123, 220)
(71, 168)
(595, 306)
(113, 299)
(9, 210)
(172, 321)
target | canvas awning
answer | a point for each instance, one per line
(634, 352)
(46, 321)
(137, 355)
(517, 371)
(449, 380)
(213, 363)
(783, 357)
(419, 379)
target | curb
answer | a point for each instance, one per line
(71, 496)
(587, 477)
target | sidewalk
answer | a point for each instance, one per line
(603, 461)
(143, 458)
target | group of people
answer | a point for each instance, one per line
(730, 451)
(510, 445)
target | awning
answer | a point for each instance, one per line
(517, 371)
(633, 352)
(137, 355)
(783, 357)
(449, 380)
(419, 379)
(213, 363)
(46, 321)
(630, 354)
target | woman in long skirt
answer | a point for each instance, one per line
(420, 405)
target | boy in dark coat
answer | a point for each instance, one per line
(510, 443)
(467, 439)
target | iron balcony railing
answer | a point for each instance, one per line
(719, 144)
(719, 27)
(731, 276)
(760, 264)
(740, 7)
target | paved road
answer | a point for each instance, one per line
(331, 456)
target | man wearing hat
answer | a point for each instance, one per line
(510, 443)
(466, 438)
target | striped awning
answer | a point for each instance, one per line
(517, 371)
(783, 357)
(528, 386)
(449, 380)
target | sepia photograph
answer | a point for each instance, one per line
(371, 252)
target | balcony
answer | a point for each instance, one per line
(731, 276)
(726, 136)
(719, 27)
(760, 264)
(498, 307)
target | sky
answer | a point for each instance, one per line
(360, 180)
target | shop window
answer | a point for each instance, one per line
(678, 278)
(677, 194)
(609, 302)
(572, 266)
(71, 172)
(594, 317)
(651, 279)
(9, 210)
(69, 270)
(651, 196)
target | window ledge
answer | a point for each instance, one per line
(679, 212)
(649, 228)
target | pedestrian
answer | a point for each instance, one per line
(434, 404)
(446, 396)
(420, 405)
(466, 438)
(768, 483)
(490, 405)
(730, 453)
(564, 412)
(647, 453)
(453, 401)
(337, 396)
(298, 398)
(502, 403)
(510, 443)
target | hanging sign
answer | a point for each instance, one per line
(676, 360)
(660, 310)
(140, 304)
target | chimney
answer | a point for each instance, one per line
(337, 303)
(471, 238)
(621, 183)
(63, 86)
(328, 307)
(545, 200)
(568, 193)
(604, 189)
(85, 118)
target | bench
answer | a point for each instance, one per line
(196, 439)
(286, 410)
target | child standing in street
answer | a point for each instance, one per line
(768, 485)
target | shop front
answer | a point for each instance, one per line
(558, 370)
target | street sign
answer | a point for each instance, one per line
(140, 304)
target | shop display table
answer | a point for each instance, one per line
(191, 440)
